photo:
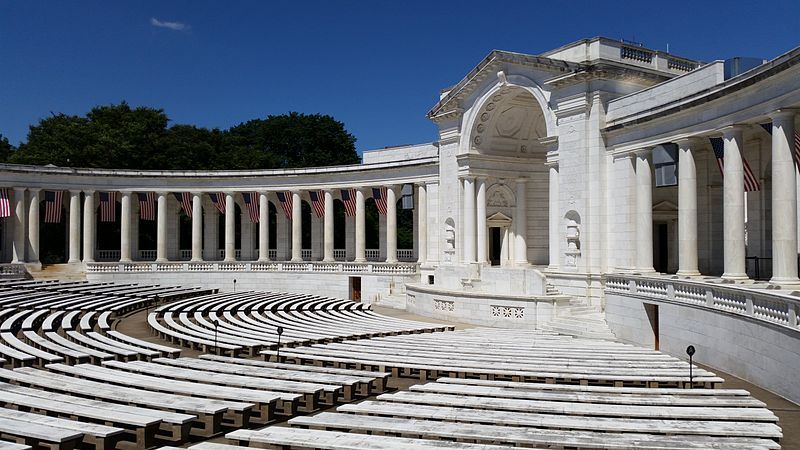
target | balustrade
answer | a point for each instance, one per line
(108, 255)
(405, 254)
(148, 255)
(271, 266)
(372, 254)
(765, 306)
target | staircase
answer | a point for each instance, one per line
(579, 320)
(66, 272)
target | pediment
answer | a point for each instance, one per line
(498, 219)
(665, 207)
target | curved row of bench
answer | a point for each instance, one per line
(514, 355)
(498, 414)
(247, 322)
(52, 322)
(166, 400)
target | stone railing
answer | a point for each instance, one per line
(339, 254)
(108, 255)
(12, 271)
(405, 254)
(254, 266)
(759, 304)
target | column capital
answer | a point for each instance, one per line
(34, 189)
(127, 191)
(467, 177)
(75, 191)
(19, 188)
(89, 191)
(782, 113)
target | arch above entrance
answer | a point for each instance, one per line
(510, 117)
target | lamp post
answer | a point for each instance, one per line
(234, 285)
(216, 345)
(690, 352)
(278, 355)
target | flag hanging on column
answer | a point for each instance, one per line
(796, 153)
(286, 202)
(52, 206)
(5, 205)
(218, 199)
(379, 195)
(147, 205)
(251, 201)
(317, 202)
(185, 199)
(349, 200)
(751, 183)
(108, 207)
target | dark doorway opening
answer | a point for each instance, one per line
(355, 288)
(652, 316)
(495, 245)
(660, 248)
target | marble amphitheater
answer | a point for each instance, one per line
(534, 277)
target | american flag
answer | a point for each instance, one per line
(379, 195)
(768, 128)
(147, 205)
(349, 200)
(108, 207)
(750, 181)
(52, 206)
(251, 201)
(317, 202)
(5, 205)
(185, 199)
(286, 202)
(218, 199)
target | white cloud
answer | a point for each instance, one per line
(177, 26)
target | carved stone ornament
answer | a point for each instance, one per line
(498, 199)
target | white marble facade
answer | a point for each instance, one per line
(542, 162)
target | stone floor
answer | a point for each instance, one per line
(787, 412)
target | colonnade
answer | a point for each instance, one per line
(475, 239)
(25, 245)
(784, 204)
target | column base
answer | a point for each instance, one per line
(360, 260)
(263, 260)
(161, 260)
(391, 261)
(296, 260)
(125, 260)
(196, 260)
(74, 261)
(792, 283)
(735, 276)
(328, 260)
(687, 273)
(229, 260)
(648, 270)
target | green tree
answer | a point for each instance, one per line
(295, 140)
(112, 136)
(5, 149)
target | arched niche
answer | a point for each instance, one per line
(510, 118)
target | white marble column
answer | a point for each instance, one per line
(161, 227)
(230, 227)
(784, 200)
(197, 226)
(554, 241)
(468, 235)
(125, 227)
(521, 223)
(297, 227)
(687, 208)
(18, 245)
(391, 225)
(327, 253)
(74, 227)
(482, 231)
(33, 226)
(361, 236)
(263, 227)
(88, 226)
(733, 205)
(644, 212)
(422, 223)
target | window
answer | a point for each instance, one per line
(665, 162)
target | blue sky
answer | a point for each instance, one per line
(376, 66)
